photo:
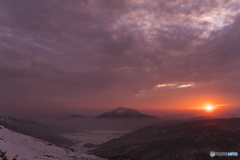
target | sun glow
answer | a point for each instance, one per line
(209, 108)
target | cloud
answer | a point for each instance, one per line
(107, 51)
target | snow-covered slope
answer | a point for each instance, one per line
(24, 147)
(49, 133)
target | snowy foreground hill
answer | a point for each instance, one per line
(17, 146)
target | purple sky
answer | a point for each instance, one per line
(93, 55)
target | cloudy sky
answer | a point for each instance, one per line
(83, 55)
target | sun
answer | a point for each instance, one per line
(209, 108)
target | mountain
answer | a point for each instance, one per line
(45, 132)
(17, 146)
(189, 140)
(59, 115)
(201, 117)
(122, 112)
(178, 116)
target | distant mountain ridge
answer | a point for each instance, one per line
(122, 112)
(60, 115)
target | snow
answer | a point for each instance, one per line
(123, 110)
(25, 147)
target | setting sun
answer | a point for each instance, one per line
(209, 108)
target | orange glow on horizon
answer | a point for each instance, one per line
(209, 108)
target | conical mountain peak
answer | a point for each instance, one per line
(122, 112)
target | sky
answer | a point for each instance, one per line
(88, 56)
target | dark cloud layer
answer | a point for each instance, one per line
(103, 54)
